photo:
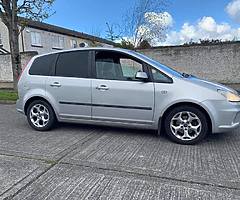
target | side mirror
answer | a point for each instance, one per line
(141, 76)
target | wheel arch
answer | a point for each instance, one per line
(31, 99)
(198, 106)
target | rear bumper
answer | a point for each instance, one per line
(19, 106)
(225, 115)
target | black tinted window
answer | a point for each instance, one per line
(73, 64)
(42, 65)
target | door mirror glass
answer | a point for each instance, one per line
(141, 75)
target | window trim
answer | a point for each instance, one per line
(33, 44)
(145, 67)
(71, 43)
(58, 46)
(89, 67)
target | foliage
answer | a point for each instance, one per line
(207, 41)
(125, 44)
(144, 45)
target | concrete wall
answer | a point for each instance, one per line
(5, 65)
(5, 68)
(220, 62)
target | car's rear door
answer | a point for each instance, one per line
(116, 95)
(70, 86)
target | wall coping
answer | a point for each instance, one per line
(191, 45)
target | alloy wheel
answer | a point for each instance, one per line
(186, 126)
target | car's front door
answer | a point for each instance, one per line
(70, 86)
(116, 94)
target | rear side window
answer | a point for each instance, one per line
(73, 64)
(42, 65)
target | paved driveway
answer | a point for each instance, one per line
(92, 162)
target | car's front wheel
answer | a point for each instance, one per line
(186, 125)
(40, 115)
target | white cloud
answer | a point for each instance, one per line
(205, 28)
(233, 9)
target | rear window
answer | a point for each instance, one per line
(42, 65)
(73, 64)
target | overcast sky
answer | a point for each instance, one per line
(187, 19)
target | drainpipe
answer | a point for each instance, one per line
(23, 48)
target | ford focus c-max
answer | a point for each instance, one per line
(124, 88)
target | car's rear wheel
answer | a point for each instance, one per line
(40, 115)
(186, 125)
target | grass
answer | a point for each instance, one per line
(8, 95)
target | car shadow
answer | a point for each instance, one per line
(210, 138)
(108, 129)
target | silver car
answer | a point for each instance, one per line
(120, 87)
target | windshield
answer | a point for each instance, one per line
(158, 65)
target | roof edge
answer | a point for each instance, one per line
(64, 31)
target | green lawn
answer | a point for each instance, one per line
(8, 95)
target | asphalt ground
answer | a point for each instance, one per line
(96, 162)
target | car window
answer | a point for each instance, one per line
(130, 68)
(41, 66)
(160, 77)
(73, 64)
(116, 66)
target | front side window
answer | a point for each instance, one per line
(73, 64)
(116, 66)
(58, 42)
(36, 39)
(160, 77)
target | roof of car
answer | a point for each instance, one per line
(135, 54)
(88, 49)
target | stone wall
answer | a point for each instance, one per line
(6, 69)
(219, 62)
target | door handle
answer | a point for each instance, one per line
(102, 87)
(55, 84)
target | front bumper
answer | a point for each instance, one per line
(225, 115)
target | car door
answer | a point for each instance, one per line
(116, 94)
(70, 86)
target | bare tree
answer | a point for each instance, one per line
(113, 32)
(10, 10)
(138, 24)
(96, 31)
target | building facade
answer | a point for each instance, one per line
(45, 38)
(40, 38)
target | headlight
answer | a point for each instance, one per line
(230, 96)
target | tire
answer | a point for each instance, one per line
(186, 125)
(41, 116)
